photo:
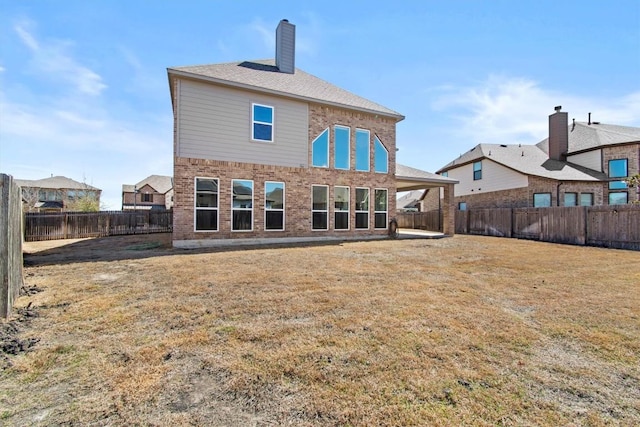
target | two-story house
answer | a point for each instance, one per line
(263, 150)
(153, 192)
(55, 194)
(582, 163)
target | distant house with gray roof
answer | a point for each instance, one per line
(582, 163)
(264, 150)
(54, 194)
(153, 192)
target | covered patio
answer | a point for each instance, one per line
(408, 179)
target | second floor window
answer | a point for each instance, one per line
(477, 170)
(341, 140)
(381, 156)
(362, 150)
(147, 197)
(262, 123)
(320, 150)
(618, 169)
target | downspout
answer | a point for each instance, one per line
(558, 193)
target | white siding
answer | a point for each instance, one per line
(214, 122)
(590, 159)
(494, 177)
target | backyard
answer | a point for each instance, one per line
(466, 330)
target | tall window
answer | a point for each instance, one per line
(362, 150)
(541, 200)
(206, 204)
(147, 197)
(380, 209)
(618, 169)
(273, 205)
(380, 156)
(262, 123)
(320, 150)
(477, 170)
(242, 205)
(342, 146)
(362, 208)
(570, 199)
(586, 199)
(341, 207)
(320, 207)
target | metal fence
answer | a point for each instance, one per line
(75, 225)
(609, 226)
(10, 244)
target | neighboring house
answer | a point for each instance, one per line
(410, 201)
(578, 164)
(55, 194)
(153, 192)
(263, 150)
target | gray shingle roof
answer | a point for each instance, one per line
(263, 76)
(403, 171)
(528, 159)
(55, 182)
(160, 183)
(585, 137)
(534, 159)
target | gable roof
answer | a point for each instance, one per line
(160, 183)
(584, 136)
(55, 182)
(264, 76)
(527, 159)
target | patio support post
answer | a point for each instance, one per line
(448, 211)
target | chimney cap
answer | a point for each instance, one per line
(284, 20)
(558, 108)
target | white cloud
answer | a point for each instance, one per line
(511, 110)
(51, 59)
(266, 33)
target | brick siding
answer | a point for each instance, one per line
(298, 182)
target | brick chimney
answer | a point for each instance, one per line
(558, 134)
(286, 47)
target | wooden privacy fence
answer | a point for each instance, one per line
(10, 244)
(610, 226)
(431, 220)
(75, 225)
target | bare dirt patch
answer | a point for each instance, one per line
(459, 331)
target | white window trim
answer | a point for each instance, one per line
(196, 209)
(284, 206)
(368, 211)
(368, 151)
(348, 147)
(348, 211)
(253, 193)
(273, 124)
(375, 138)
(386, 212)
(313, 211)
(328, 151)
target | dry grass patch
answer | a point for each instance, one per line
(463, 331)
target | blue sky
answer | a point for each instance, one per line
(84, 91)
